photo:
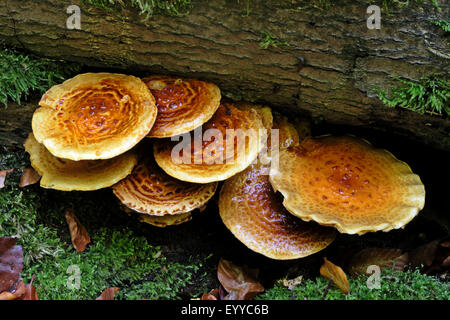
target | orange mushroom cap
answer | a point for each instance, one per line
(215, 160)
(149, 190)
(84, 175)
(183, 104)
(254, 213)
(94, 116)
(347, 183)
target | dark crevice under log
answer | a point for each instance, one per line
(344, 61)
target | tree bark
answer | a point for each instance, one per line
(330, 69)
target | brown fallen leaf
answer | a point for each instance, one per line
(382, 257)
(240, 283)
(212, 295)
(11, 263)
(18, 292)
(291, 283)
(30, 176)
(3, 174)
(445, 244)
(423, 256)
(335, 274)
(30, 291)
(78, 233)
(108, 294)
(433, 257)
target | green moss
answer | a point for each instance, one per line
(443, 24)
(430, 94)
(176, 8)
(22, 74)
(388, 4)
(116, 256)
(269, 40)
(394, 285)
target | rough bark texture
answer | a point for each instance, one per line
(343, 60)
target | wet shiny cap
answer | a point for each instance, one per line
(94, 116)
(347, 183)
(183, 104)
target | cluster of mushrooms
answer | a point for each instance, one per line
(100, 130)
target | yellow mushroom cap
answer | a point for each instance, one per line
(347, 183)
(151, 191)
(183, 104)
(84, 175)
(216, 159)
(254, 213)
(94, 116)
(165, 221)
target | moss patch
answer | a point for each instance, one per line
(430, 94)
(394, 285)
(22, 74)
(176, 8)
(117, 255)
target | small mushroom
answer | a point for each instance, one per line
(254, 213)
(346, 183)
(235, 143)
(94, 116)
(84, 175)
(183, 104)
(150, 191)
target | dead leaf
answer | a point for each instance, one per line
(423, 256)
(78, 233)
(108, 294)
(382, 257)
(18, 292)
(30, 176)
(240, 283)
(291, 283)
(30, 291)
(336, 274)
(212, 295)
(445, 244)
(3, 174)
(11, 263)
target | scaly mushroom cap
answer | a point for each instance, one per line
(254, 213)
(150, 190)
(94, 116)
(216, 159)
(84, 175)
(183, 104)
(347, 183)
(164, 221)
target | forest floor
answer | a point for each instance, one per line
(180, 262)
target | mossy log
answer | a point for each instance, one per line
(330, 68)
